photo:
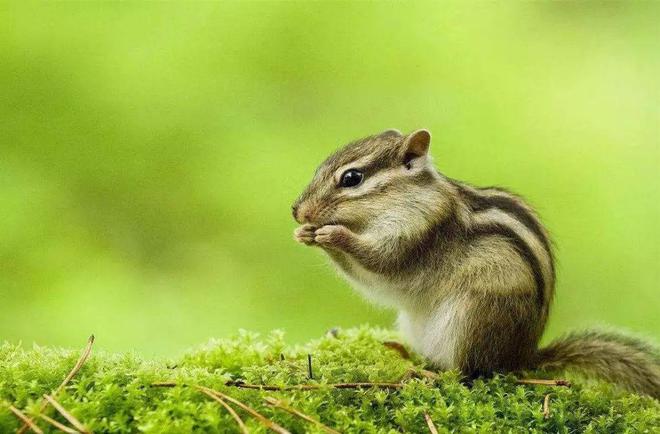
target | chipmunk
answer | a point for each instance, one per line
(470, 270)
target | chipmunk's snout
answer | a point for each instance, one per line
(300, 212)
(300, 217)
(304, 212)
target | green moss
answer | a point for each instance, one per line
(113, 393)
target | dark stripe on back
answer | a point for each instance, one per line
(523, 249)
(508, 204)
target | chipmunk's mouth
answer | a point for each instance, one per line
(328, 222)
(324, 218)
(310, 213)
(318, 215)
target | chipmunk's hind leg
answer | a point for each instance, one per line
(501, 334)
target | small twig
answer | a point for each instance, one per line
(57, 424)
(315, 386)
(413, 372)
(564, 383)
(222, 402)
(68, 416)
(260, 417)
(242, 385)
(309, 367)
(29, 423)
(261, 386)
(79, 364)
(280, 404)
(430, 424)
(428, 374)
(546, 406)
(399, 348)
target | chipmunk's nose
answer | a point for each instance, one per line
(301, 213)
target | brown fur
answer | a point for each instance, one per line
(615, 357)
(471, 270)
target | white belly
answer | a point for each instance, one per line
(436, 334)
(433, 333)
(374, 287)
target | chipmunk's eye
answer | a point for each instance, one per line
(351, 178)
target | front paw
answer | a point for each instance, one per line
(332, 236)
(305, 234)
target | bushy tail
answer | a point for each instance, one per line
(629, 362)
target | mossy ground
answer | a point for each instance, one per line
(114, 392)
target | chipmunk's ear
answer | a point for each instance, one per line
(417, 144)
(392, 132)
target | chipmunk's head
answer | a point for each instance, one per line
(367, 179)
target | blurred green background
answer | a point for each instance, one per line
(149, 154)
